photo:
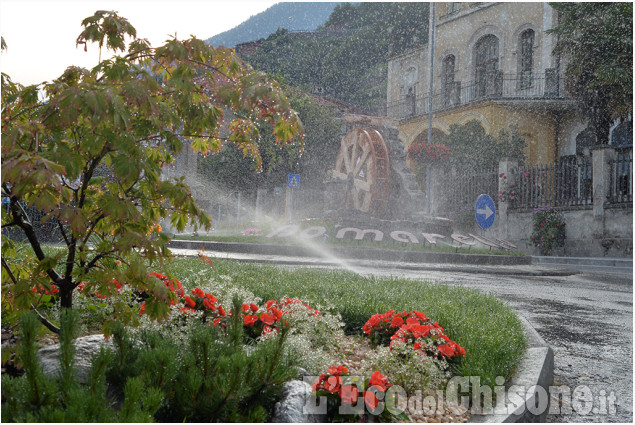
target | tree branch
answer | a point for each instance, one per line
(24, 223)
(42, 319)
(51, 327)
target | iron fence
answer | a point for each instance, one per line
(566, 184)
(462, 188)
(621, 182)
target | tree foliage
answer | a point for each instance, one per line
(346, 57)
(471, 148)
(87, 149)
(596, 40)
(232, 171)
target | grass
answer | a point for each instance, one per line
(490, 331)
(350, 243)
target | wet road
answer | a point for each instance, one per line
(586, 318)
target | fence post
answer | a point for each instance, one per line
(601, 155)
(507, 179)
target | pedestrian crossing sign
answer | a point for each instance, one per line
(293, 181)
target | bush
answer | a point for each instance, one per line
(549, 229)
(214, 377)
(35, 397)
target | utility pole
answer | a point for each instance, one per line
(431, 44)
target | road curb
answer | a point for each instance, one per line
(534, 373)
(355, 253)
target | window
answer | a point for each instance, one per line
(486, 64)
(526, 59)
(448, 79)
(452, 8)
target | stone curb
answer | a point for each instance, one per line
(356, 253)
(535, 373)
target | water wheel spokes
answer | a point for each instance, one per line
(358, 163)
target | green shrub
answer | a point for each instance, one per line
(548, 232)
(35, 397)
(213, 376)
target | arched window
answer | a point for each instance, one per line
(526, 59)
(448, 79)
(486, 64)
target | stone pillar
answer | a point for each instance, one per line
(507, 181)
(601, 155)
(435, 183)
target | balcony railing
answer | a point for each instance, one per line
(493, 85)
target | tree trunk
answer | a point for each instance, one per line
(66, 297)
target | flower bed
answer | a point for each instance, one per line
(407, 348)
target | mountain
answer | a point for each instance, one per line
(294, 16)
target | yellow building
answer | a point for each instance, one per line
(492, 63)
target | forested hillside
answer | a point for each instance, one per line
(295, 16)
(346, 58)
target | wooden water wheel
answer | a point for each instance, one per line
(363, 162)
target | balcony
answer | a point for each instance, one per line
(493, 85)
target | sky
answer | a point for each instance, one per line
(41, 36)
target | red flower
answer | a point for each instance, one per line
(333, 384)
(417, 346)
(267, 318)
(421, 316)
(396, 322)
(379, 381)
(277, 313)
(189, 301)
(269, 304)
(446, 349)
(250, 320)
(208, 304)
(253, 307)
(337, 370)
(211, 298)
(318, 383)
(198, 292)
(221, 310)
(412, 321)
(349, 394)
(142, 309)
(245, 308)
(217, 321)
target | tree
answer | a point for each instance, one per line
(232, 171)
(130, 115)
(596, 40)
(473, 149)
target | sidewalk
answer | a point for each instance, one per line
(596, 264)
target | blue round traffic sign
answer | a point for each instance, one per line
(485, 211)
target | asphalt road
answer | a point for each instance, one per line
(586, 316)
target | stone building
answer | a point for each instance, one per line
(492, 63)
